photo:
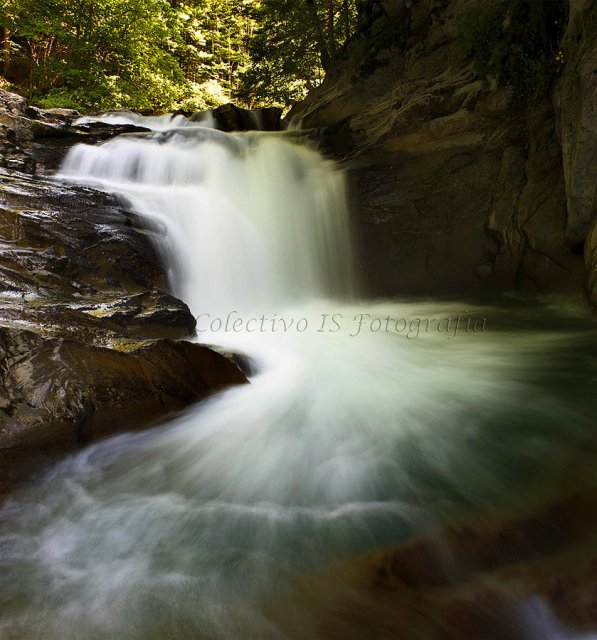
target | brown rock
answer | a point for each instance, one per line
(86, 325)
(491, 578)
(457, 180)
(49, 386)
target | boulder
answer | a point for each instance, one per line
(229, 117)
(12, 103)
(62, 392)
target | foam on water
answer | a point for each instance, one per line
(154, 123)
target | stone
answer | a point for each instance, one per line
(12, 103)
(50, 383)
(455, 187)
(229, 117)
(576, 103)
(591, 265)
(492, 577)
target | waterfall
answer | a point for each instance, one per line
(153, 123)
(365, 423)
(249, 222)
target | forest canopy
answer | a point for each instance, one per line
(161, 55)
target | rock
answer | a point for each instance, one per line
(457, 185)
(576, 101)
(72, 240)
(67, 115)
(485, 579)
(36, 140)
(86, 323)
(229, 117)
(12, 103)
(49, 385)
(591, 265)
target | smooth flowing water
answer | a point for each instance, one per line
(364, 423)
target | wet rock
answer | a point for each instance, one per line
(576, 102)
(590, 250)
(36, 140)
(86, 322)
(229, 117)
(576, 98)
(491, 578)
(58, 391)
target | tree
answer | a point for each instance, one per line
(96, 53)
(168, 54)
(293, 46)
(214, 36)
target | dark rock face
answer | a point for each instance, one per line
(576, 101)
(86, 324)
(58, 391)
(87, 327)
(229, 117)
(591, 262)
(458, 187)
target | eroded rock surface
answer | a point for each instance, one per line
(464, 181)
(35, 140)
(576, 101)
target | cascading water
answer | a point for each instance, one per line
(363, 424)
(250, 223)
(154, 123)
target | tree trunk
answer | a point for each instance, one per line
(321, 39)
(5, 50)
(331, 28)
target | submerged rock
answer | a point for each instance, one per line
(514, 577)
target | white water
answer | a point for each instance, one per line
(154, 123)
(344, 442)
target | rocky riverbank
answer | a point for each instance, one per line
(91, 343)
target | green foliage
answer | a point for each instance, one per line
(517, 43)
(212, 48)
(107, 53)
(292, 45)
(161, 55)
